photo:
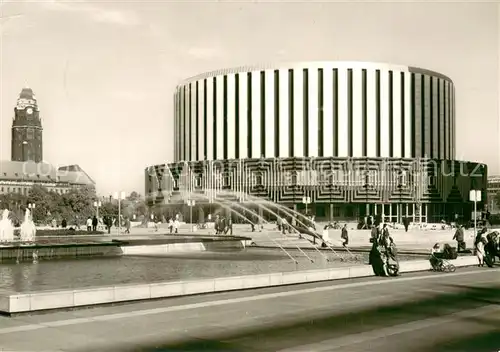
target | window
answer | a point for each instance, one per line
(391, 115)
(320, 112)
(290, 113)
(349, 112)
(377, 110)
(249, 114)
(262, 112)
(335, 111)
(403, 114)
(30, 133)
(224, 108)
(276, 113)
(364, 112)
(197, 131)
(305, 126)
(214, 112)
(236, 115)
(204, 120)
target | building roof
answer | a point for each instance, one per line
(27, 93)
(43, 172)
(69, 173)
(313, 65)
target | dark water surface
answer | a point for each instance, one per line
(83, 273)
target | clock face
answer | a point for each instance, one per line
(29, 111)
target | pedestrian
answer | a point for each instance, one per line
(344, 236)
(176, 225)
(459, 237)
(94, 223)
(406, 223)
(230, 226)
(127, 225)
(89, 224)
(171, 225)
(375, 233)
(480, 253)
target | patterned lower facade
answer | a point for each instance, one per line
(426, 190)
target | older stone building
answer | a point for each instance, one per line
(27, 167)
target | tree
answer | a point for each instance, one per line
(134, 204)
(80, 201)
(45, 202)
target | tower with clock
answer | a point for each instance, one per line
(27, 129)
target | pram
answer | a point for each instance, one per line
(491, 248)
(441, 264)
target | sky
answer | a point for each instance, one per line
(104, 73)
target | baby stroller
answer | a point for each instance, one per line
(392, 261)
(441, 265)
(440, 260)
(491, 248)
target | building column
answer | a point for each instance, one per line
(390, 213)
(331, 212)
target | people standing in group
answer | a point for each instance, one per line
(89, 224)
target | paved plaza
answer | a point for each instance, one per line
(420, 312)
(414, 239)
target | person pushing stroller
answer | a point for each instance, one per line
(383, 255)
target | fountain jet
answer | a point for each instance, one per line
(28, 228)
(6, 228)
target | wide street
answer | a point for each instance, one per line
(419, 312)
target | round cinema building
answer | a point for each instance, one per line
(340, 139)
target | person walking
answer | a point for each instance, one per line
(344, 236)
(459, 237)
(127, 225)
(406, 223)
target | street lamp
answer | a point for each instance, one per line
(366, 186)
(191, 203)
(475, 196)
(97, 205)
(119, 196)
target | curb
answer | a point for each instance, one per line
(362, 250)
(14, 303)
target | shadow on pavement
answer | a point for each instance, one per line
(300, 329)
